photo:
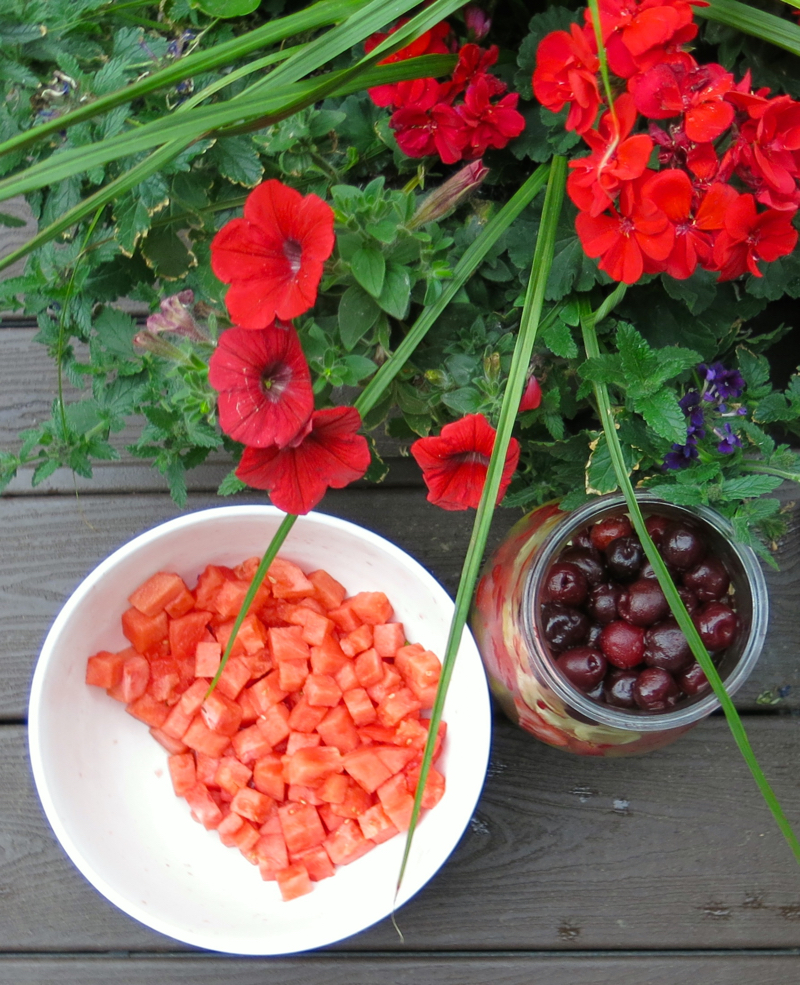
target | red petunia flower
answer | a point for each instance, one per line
(430, 126)
(265, 395)
(566, 72)
(626, 238)
(616, 157)
(328, 454)
(749, 236)
(488, 124)
(454, 464)
(432, 42)
(273, 256)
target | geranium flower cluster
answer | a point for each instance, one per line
(727, 184)
(707, 407)
(458, 119)
(273, 259)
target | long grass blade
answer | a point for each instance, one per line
(782, 33)
(671, 592)
(531, 315)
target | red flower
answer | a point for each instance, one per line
(488, 124)
(566, 72)
(429, 43)
(454, 464)
(265, 395)
(273, 257)
(474, 63)
(595, 180)
(430, 126)
(640, 35)
(532, 396)
(624, 239)
(669, 90)
(328, 453)
(749, 236)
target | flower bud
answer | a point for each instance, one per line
(158, 346)
(176, 317)
(444, 199)
(478, 23)
(491, 366)
(532, 395)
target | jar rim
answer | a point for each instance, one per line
(641, 720)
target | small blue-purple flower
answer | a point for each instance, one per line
(722, 383)
(729, 441)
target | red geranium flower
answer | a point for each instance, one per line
(474, 63)
(749, 236)
(454, 464)
(626, 237)
(669, 90)
(430, 125)
(488, 124)
(265, 395)
(640, 35)
(328, 453)
(566, 72)
(273, 256)
(430, 43)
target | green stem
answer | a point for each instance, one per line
(670, 591)
(770, 470)
(531, 315)
(269, 556)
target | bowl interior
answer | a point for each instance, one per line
(104, 781)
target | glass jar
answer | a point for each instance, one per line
(522, 674)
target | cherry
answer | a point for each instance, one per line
(564, 626)
(666, 647)
(624, 558)
(622, 644)
(656, 690)
(608, 529)
(583, 539)
(708, 580)
(618, 688)
(584, 666)
(602, 605)
(565, 583)
(692, 680)
(593, 637)
(682, 546)
(588, 560)
(717, 625)
(689, 599)
(656, 526)
(643, 603)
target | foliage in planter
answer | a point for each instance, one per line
(153, 240)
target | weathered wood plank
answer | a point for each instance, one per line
(468, 969)
(48, 544)
(11, 238)
(674, 850)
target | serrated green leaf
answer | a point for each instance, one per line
(753, 367)
(395, 297)
(369, 269)
(231, 485)
(600, 476)
(558, 339)
(167, 254)
(606, 368)
(44, 471)
(745, 486)
(663, 414)
(115, 331)
(358, 312)
(697, 292)
(773, 407)
(680, 495)
(238, 160)
(131, 221)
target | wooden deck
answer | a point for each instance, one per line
(663, 869)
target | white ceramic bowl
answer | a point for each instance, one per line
(103, 780)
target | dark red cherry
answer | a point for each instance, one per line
(622, 644)
(689, 599)
(612, 527)
(656, 526)
(588, 560)
(584, 666)
(692, 680)
(593, 636)
(565, 583)
(643, 603)
(563, 626)
(624, 557)
(602, 603)
(666, 647)
(682, 546)
(717, 625)
(656, 690)
(618, 687)
(583, 539)
(708, 580)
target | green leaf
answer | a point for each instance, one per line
(11, 221)
(558, 339)
(384, 231)
(605, 368)
(231, 485)
(663, 414)
(697, 292)
(680, 495)
(395, 298)
(167, 254)
(358, 312)
(369, 269)
(358, 368)
(466, 400)
(600, 475)
(227, 8)
(745, 486)
(131, 220)
(238, 160)
(115, 331)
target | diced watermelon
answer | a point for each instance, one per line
(434, 786)
(293, 881)
(347, 843)
(209, 583)
(356, 800)
(301, 740)
(361, 708)
(397, 705)
(170, 743)
(203, 807)
(182, 772)
(104, 669)
(250, 743)
(234, 677)
(185, 633)
(314, 626)
(206, 659)
(327, 589)
(287, 643)
(334, 788)
(322, 690)
(370, 669)
(200, 737)
(388, 637)
(270, 849)
(232, 775)
(317, 863)
(391, 681)
(301, 826)
(376, 824)
(357, 641)
(274, 723)
(148, 710)
(371, 607)
(309, 766)
(157, 592)
(165, 678)
(397, 801)
(252, 804)
(144, 632)
(346, 676)
(292, 674)
(366, 768)
(328, 657)
(345, 618)
(287, 580)
(305, 717)
(221, 714)
(180, 605)
(207, 767)
(337, 729)
(268, 776)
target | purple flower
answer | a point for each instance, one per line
(681, 455)
(722, 384)
(729, 441)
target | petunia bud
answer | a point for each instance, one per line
(477, 22)
(443, 200)
(159, 347)
(175, 316)
(532, 396)
(491, 366)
